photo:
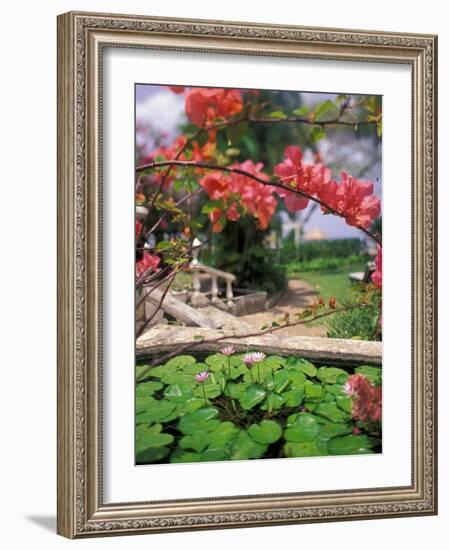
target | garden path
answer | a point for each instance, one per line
(298, 296)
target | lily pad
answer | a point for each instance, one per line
(374, 374)
(151, 454)
(178, 392)
(157, 411)
(197, 441)
(329, 375)
(148, 388)
(151, 436)
(201, 420)
(350, 445)
(294, 397)
(304, 428)
(223, 435)
(180, 361)
(268, 431)
(254, 394)
(273, 402)
(244, 447)
(331, 412)
(304, 449)
(302, 365)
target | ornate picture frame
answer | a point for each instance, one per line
(82, 38)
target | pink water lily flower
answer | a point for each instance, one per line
(248, 360)
(258, 356)
(254, 357)
(228, 350)
(202, 376)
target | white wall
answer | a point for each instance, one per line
(28, 274)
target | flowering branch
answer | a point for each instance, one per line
(228, 169)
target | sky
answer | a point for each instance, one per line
(163, 110)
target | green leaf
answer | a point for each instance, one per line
(237, 390)
(212, 390)
(317, 133)
(303, 449)
(379, 129)
(298, 379)
(202, 138)
(266, 432)
(273, 402)
(156, 411)
(374, 374)
(253, 395)
(345, 403)
(212, 454)
(314, 392)
(301, 111)
(178, 392)
(293, 397)
(151, 454)
(331, 412)
(151, 436)
(274, 362)
(191, 405)
(278, 114)
(224, 434)
(281, 380)
(235, 132)
(302, 365)
(180, 361)
(201, 420)
(217, 362)
(329, 375)
(350, 445)
(148, 388)
(197, 441)
(163, 245)
(332, 430)
(185, 456)
(305, 428)
(323, 108)
(244, 447)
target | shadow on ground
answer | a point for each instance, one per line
(46, 522)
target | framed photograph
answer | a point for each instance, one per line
(246, 274)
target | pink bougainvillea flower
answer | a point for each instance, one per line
(138, 227)
(253, 197)
(216, 185)
(202, 376)
(376, 277)
(177, 89)
(307, 178)
(353, 199)
(256, 197)
(203, 105)
(228, 350)
(216, 218)
(147, 262)
(366, 398)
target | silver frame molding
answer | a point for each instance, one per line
(81, 38)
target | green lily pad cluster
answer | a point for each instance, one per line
(280, 407)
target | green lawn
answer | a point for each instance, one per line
(330, 283)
